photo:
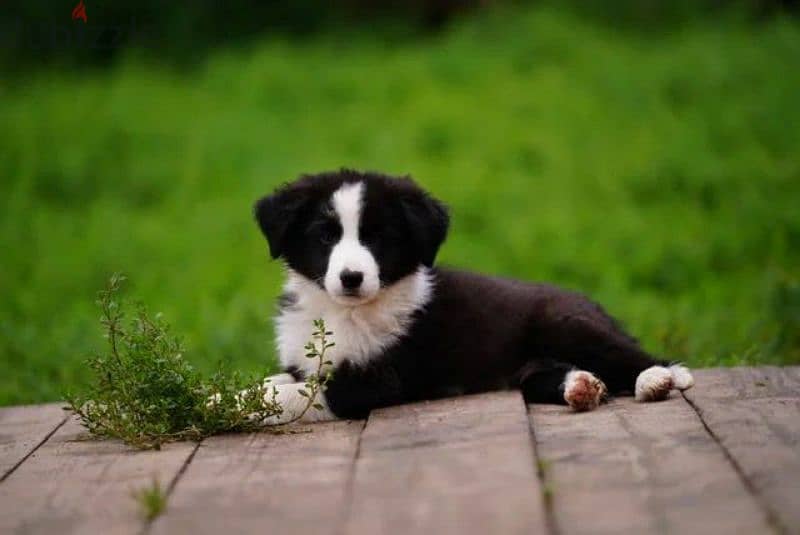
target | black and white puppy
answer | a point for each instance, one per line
(359, 251)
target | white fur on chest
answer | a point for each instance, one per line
(359, 332)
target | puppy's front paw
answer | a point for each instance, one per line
(583, 391)
(213, 400)
(654, 384)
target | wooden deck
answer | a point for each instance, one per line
(724, 458)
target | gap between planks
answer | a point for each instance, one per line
(32, 451)
(462, 465)
(546, 491)
(771, 516)
(280, 483)
(754, 415)
(630, 467)
(26, 424)
(417, 433)
(350, 485)
(171, 487)
(77, 485)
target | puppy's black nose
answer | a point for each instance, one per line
(351, 280)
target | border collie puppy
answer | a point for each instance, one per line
(359, 251)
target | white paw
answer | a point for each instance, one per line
(269, 382)
(279, 379)
(654, 384)
(583, 391)
(213, 400)
(681, 377)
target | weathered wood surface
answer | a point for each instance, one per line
(462, 465)
(755, 415)
(23, 429)
(74, 485)
(724, 459)
(640, 468)
(265, 483)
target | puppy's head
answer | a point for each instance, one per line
(352, 233)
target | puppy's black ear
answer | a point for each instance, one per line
(428, 222)
(276, 213)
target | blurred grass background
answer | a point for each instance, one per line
(650, 161)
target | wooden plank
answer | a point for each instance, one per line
(74, 485)
(266, 483)
(23, 429)
(633, 467)
(755, 415)
(463, 465)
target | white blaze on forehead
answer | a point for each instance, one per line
(347, 205)
(349, 253)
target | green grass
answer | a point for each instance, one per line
(658, 172)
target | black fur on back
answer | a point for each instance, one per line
(484, 333)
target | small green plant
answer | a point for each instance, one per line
(542, 467)
(316, 348)
(145, 393)
(152, 500)
(548, 494)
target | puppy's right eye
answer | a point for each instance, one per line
(327, 235)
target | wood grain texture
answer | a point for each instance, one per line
(633, 467)
(22, 429)
(463, 465)
(70, 485)
(755, 415)
(726, 459)
(266, 483)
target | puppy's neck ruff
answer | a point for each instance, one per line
(360, 331)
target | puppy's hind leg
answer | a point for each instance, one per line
(605, 350)
(655, 383)
(583, 391)
(562, 384)
(681, 377)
